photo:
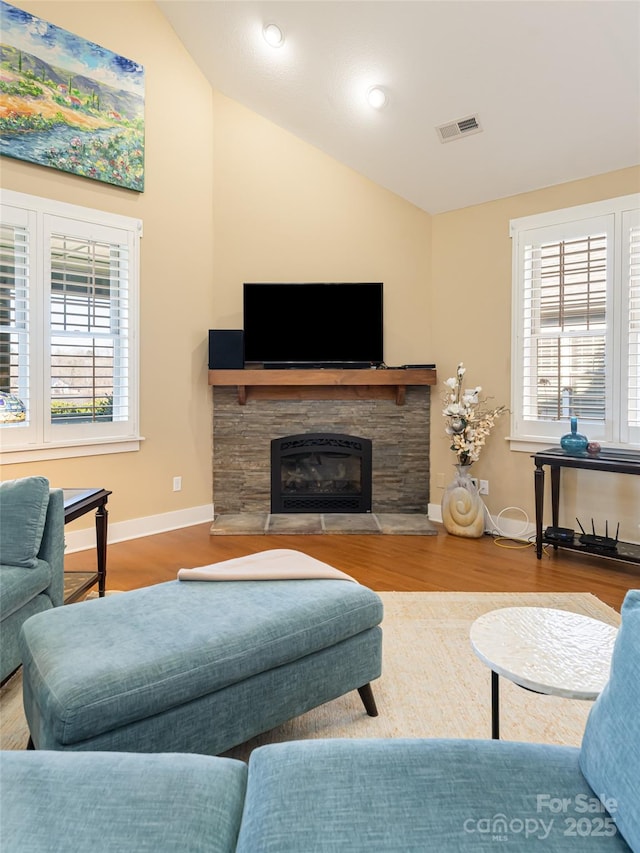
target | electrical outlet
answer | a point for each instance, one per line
(484, 487)
(440, 483)
(177, 484)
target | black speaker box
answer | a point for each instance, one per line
(226, 349)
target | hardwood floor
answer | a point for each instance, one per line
(382, 562)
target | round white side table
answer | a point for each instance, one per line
(544, 650)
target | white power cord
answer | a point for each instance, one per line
(520, 535)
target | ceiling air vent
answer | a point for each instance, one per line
(455, 129)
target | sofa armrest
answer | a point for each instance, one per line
(52, 546)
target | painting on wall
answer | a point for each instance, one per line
(68, 103)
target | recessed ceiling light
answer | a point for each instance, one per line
(273, 35)
(377, 97)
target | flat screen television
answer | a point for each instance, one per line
(317, 324)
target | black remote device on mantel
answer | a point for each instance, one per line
(418, 367)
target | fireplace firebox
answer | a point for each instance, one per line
(321, 472)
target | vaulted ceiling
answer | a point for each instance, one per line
(554, 86)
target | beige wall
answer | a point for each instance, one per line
(284, 211)
(471, 300)
(177, 294)
(248, 201)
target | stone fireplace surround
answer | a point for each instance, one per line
(242, 437)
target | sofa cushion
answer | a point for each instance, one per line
(10, 655)
(105, 663)
(610, 752)
(416, 795)
(17, 586)
(106, 802)
(23, 510)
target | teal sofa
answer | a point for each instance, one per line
(347, 796)
(31, 559)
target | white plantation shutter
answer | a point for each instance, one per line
(14, 315)
(631, 258)
(89, 330)
(73, 357)
(576, 323)
(564, 326)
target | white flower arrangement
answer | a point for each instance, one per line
(468, 423)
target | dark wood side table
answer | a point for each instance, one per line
(612, 461)
(77, 502)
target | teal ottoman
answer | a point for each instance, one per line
(198, 666)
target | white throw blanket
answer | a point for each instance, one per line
(277, 564)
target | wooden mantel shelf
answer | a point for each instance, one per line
(329, 383)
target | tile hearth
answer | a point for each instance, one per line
(255, 523)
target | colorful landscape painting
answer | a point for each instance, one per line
(68, 103)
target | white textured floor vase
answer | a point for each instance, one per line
(463, 511)
(432, 683)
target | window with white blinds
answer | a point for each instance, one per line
(576, 323)
(14, 320)
(631, 251)
(68, 329)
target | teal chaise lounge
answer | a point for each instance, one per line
(347, 796)
(199, 665)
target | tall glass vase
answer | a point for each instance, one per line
(573, 442)
(462, 507)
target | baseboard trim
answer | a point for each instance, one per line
(434, 512)
(121, 531)
(520, 529)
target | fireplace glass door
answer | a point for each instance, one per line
(320, 472)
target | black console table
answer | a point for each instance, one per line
(613, 461)
(77, 502)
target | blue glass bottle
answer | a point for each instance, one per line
(573, 442)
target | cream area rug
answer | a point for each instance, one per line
(432, 683)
